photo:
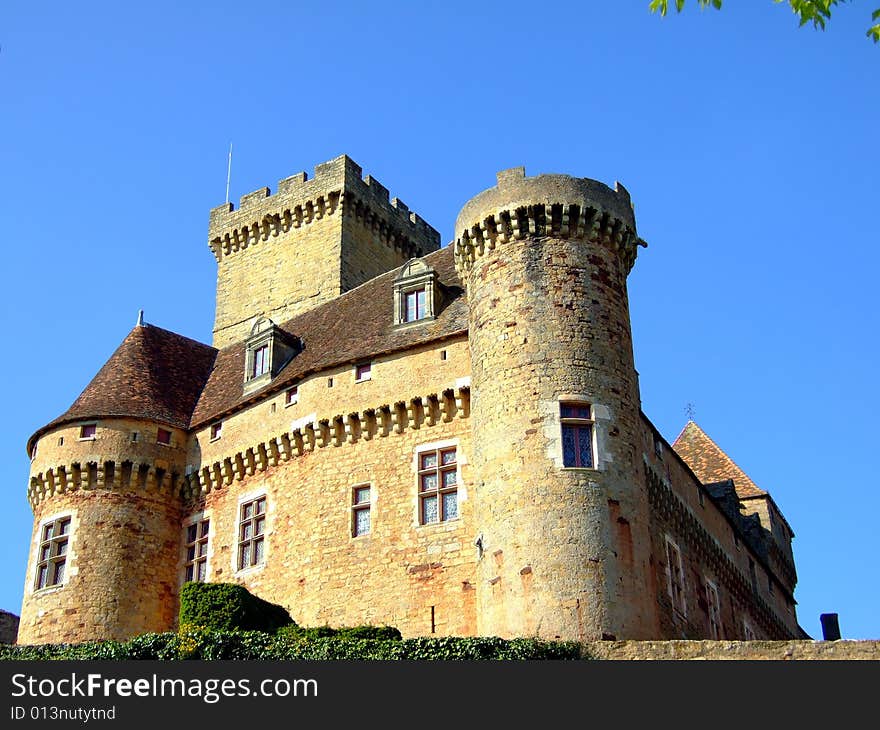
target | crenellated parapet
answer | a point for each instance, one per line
(315, 433)
(300, 201)
(557, 206)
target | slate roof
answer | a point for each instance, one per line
(709, 462)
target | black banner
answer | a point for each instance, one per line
(414, 694)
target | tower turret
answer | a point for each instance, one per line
(561, 515)
(105, 556)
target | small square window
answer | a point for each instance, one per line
(87, 431)
(360, 510)
(135, 437)
(291, 396)
(163, 437)
(442, 354)
(61, 440)
(329, 382)
(362, 372)
(216, 430)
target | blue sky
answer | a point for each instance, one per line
(749, 147)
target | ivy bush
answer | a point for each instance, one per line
(228, 607)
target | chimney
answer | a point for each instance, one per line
(830, 627)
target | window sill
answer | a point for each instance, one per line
(580, 468)
(292, 403)
(87, 438)
(213, 439)
(362, 380)
(47, 590)
(250, 569)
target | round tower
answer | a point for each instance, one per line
(105, 558)
(558, 488)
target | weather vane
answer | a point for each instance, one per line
(689, 411)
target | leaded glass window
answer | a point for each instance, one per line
(360, 510)
(52, 553)
(251, 529)
(577, 434)
(196, 548)
(438, 486)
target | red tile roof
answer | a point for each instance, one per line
(709, 462)
(154, 374)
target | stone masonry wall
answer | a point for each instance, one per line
(682, 509)
(734, 650)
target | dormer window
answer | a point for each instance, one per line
(416, 293)
(261, 361)
(415, 305)
(267, 351)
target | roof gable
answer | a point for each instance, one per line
(710, 463)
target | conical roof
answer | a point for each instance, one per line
(154, 374)
(710, 463)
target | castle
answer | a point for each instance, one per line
(386, 431)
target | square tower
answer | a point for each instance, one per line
(280, 255)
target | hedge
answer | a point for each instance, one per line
(206, 644)
(227, 607)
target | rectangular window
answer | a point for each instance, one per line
(675, 576)
(291, 396)
(438, 486)
(196, 539)
(362, 372)
(415, 305)
(163, 436)
(360, 510)
(748, 631)
(87, 431)
(251, 529)
(577, 434)
(34, 451)
(52, 555)
(216, 430)
(714, 608)
(261, 361)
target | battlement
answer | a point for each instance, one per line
(546, 205)
(300, 200)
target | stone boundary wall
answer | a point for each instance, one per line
(849, 650)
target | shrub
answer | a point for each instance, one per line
(228, 606)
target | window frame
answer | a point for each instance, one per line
(216, 430)
(202, 526)
(256, 558)
(159, 439)
(713, 608)
(55, 560)
(363, 371)
(92, 433)
(260, 361)
(291, 396)
(439, 491)
(421, 309)
(359, 507)
(579, 425)
(679, 605)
